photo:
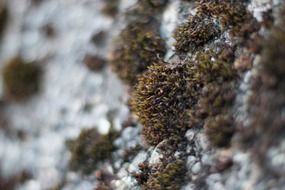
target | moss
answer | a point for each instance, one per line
(219, 129)
(99, 38)
(273, 54)
(94, 63)
(3, 17)
(49, 31)
(89, 149)
(136, 49)
(21, 80)
(267, 101)
(160, 99)
(110, 7)
(14, 181)
(166, 176)
(231, 15)
(213, 18)
(166, 95)
(147, 10)
(194, 33)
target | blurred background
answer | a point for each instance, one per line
(54, 82)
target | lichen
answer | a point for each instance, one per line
(137, 48)
(21, 80)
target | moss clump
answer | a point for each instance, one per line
(194, 33)
(166, 176)
(213, 108)
(147, 10)
(94, 63)
(13, 182)
(3, 17)
(166, 95)
(213, 18)
(89, 149)
(160, 100)
(21, 80)
(137, 48)
(267, 100)
(231, 15)
(219, 129)
(111, 7)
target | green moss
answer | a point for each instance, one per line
(167, 176)
(90, 148)
(137, 48)
(165, 98)
(21, 80)
(111, 7)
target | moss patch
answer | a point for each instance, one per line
(167, 176)
(136, 49)
(111, 7)
(89, 149)
(169, 99)
(21, 80)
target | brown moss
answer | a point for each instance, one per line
(13, 182)
(160, 100)
(213, 18)
(267, 101)
(136, 49)
(3, 17)
(21, 80)
(94, 63)
(99, 38)
(194, 33)
(219, 129)
(111, 7)
(165, 176)
(147, 10)
(166, 96)
(89, 149)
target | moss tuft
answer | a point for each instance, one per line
(219, 129)
(213, 18)
(166, 176)
(136, 49)
(21, 80)
(94, 63)
(166, 96)
(89, 149)
(160, 100)
(194, 33)
(3, 17)
(231, 15)
(110, 7)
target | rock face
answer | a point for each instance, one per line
(154, 95)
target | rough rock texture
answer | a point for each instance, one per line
(152, 95)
